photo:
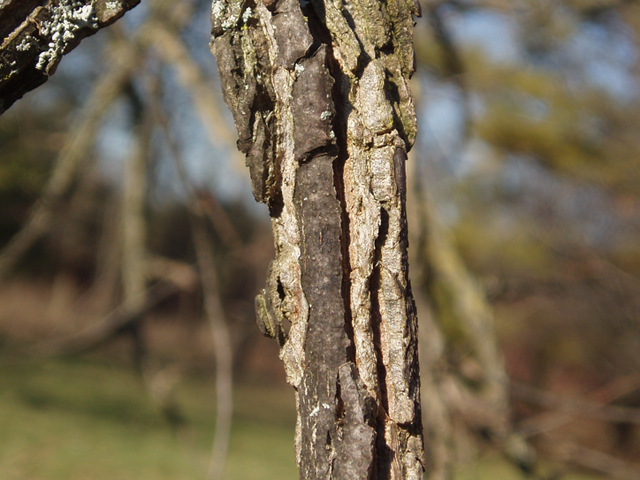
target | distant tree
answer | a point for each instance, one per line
(548, 141)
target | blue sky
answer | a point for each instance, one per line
(592, 54)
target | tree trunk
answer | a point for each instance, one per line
(321, 102)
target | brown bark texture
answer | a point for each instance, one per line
(320, 97)
(35, 34)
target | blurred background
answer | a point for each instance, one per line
(131, 250)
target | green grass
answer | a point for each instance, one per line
(76, 420)
(82, 420)
(494, 467)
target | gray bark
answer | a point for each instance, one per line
(35, 34)
(319, 94)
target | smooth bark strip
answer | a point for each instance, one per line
(319, 95)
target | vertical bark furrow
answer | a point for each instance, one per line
(355, 448)
(340, 274)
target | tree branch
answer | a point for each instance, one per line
(573, 407)
(107, 327)
(37, 33)
(213, 305)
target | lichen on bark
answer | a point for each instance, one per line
(319, 94)
(35, 34)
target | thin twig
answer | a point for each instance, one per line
(220, 220)
(213, 306)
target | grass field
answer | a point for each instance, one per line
(82, 420)
(76, 420)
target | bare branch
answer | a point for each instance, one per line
(551, 420)
(220, 220)
(113, 323)
(574, 407)
(213, 305)
(173, 51)
(133, 231)
(35, 34)
(179, 273)
(598, 461)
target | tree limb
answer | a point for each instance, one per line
(575, 407)
(35, 34)
(106, 328)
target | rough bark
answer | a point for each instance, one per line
(319, 95)
(35, 34)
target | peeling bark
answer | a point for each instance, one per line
(319, 94)
(35, 34)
